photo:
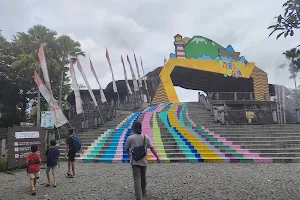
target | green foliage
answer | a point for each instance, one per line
(289, 21)
(3, 164)
(19, 59)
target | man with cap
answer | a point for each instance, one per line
(139, 167)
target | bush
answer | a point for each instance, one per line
(3, 163)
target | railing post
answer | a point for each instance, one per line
(298, 116)
(217, 94)
(251, 96)
(274, 116)
(235, 96)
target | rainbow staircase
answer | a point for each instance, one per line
(176, 137)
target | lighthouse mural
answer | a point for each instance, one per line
(179, 46)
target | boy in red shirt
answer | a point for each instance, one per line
(33, 161)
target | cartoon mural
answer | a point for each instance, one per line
(202, 48)
(201, 53)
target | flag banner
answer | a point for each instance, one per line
(42, 59)
(59, 117)
(112, 73)
(102, 95)
(86, 82)
(135, 83)
(125, 74)
(138, 71)
(145, 78)
(78, 101)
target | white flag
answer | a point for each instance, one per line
(125, 74)
(135, 83)
(86, 82)
(78, 101)
(145, 78)
(138, 71)
(112, 73)
(42, 59)
(58, 115)
(102, 95)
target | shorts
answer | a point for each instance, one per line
(71, 156)
(34, 175)
(48, 168)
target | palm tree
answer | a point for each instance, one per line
(293, 56)
(67, 47)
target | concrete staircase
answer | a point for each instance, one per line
(185, 132)
(281, 143)
(87, 137)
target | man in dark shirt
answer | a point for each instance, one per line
(70, 152)
(52, 155)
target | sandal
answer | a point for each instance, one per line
(47, 185)
(69, 175)
(54, 185)
(33, 192)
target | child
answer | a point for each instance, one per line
(33, 161)
(52, 155)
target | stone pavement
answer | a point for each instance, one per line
(166, 181)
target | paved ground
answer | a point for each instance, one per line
(165, 181)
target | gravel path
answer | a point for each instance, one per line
(166, 181)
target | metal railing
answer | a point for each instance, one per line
(262, 115)
(219, 96)
(93, 117)
(239, 117)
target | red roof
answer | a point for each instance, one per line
(178, 35)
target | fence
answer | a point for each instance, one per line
(239, 116)
(232, 96)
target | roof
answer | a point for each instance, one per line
(178, 35)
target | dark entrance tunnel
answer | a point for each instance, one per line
(209, 82)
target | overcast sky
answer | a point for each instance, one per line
(147, 27)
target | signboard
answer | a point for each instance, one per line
(26, 124)
(47, 120)
(249, 115)
(19, 144)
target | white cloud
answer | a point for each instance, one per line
(147, 27)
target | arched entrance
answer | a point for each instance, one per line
(201, 64)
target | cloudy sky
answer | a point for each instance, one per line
(147, 27)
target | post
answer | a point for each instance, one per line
(251, 96)
(217, 95)
(298, 116)
(235, 96)
(274, 116)
(3, 146)
(38, 106)
(249, 121)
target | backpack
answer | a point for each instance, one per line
(139, 152)
(76, 143)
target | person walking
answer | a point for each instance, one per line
(33, 162)
(73, 146)
(136, 147)
(52, 155)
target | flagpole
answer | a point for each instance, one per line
(101, 91)
(38, 109)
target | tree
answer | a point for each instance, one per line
(289, 21)
(18, 60)
(66, 48)
(293, 57)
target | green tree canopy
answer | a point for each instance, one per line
(288, 22)
(19, 59)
